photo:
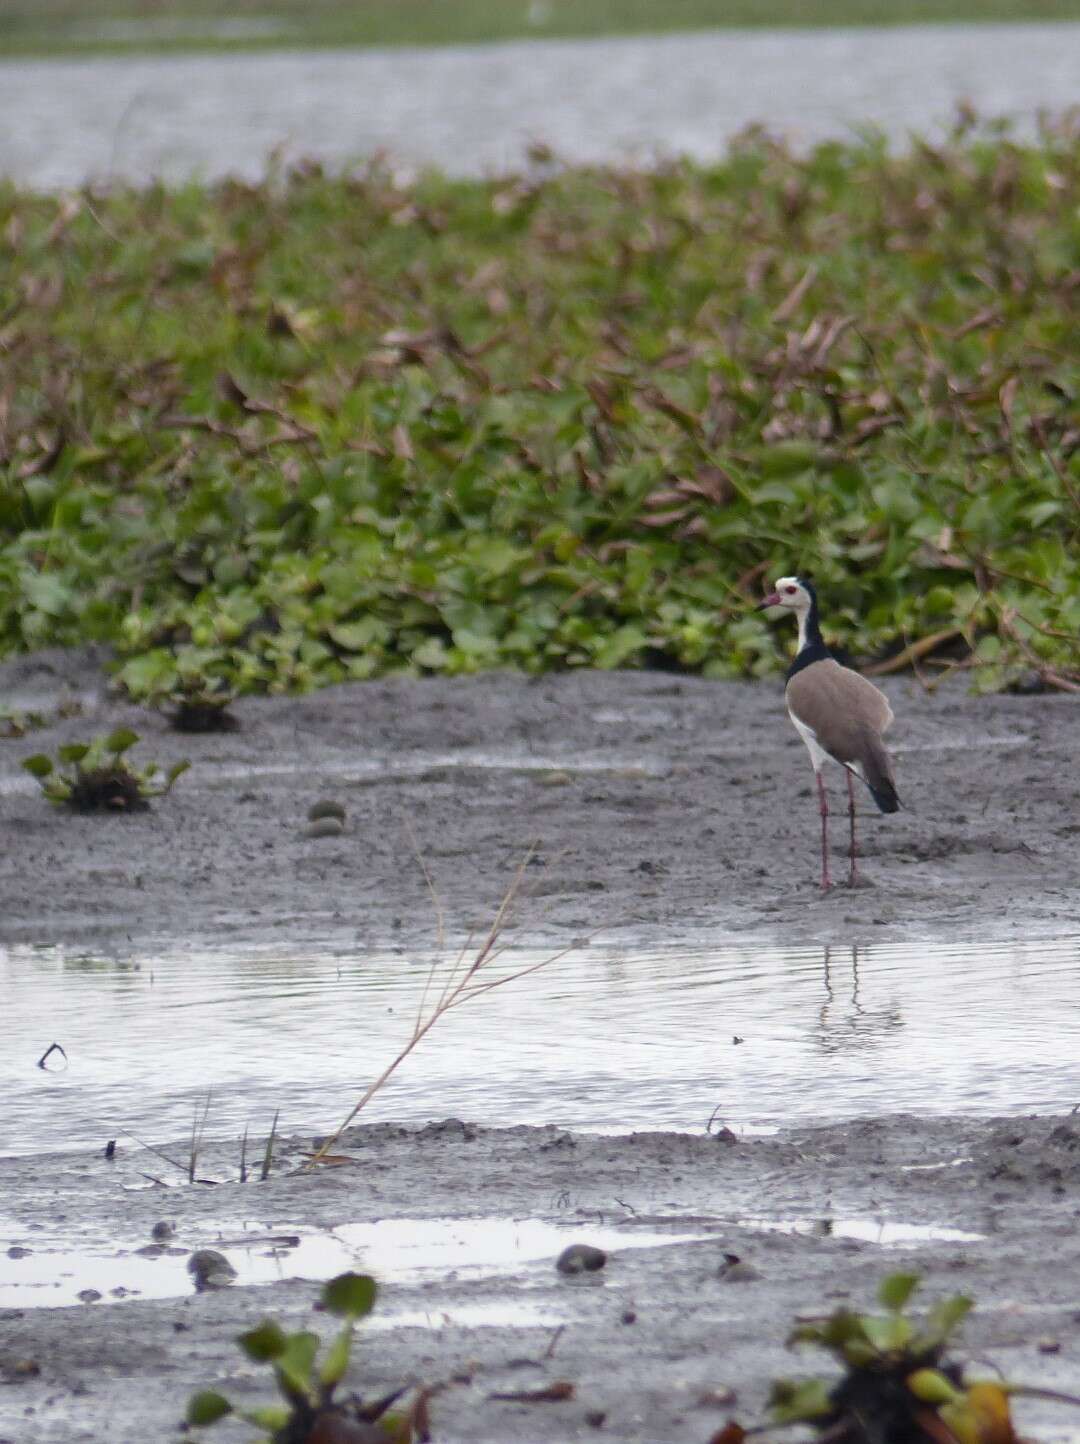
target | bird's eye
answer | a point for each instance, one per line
(789, 591)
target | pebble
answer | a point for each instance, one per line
(579, 1258)
(719, 1398)
(88, 1296)
(325, 827)
(326, 807)
(210, 1269)
(18, 1250)
(1049, 1346)
(735, 1271)
(162, 1230)
(554, 779)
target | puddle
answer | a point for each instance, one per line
(603, 1039)
(408, 1250)
(866, 1230)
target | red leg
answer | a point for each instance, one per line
(851, 813)
(826, 881)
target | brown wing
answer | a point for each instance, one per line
(847, 715)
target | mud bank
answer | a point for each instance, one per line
(656, 807)
(651, 1344)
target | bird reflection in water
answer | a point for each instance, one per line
(844, 1020)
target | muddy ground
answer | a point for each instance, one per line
(658, 807)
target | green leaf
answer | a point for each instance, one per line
(295, 1363)
(350, 1295)
(176, 770)
(270, 1417)
(944, 1317)
(207, 1408)
(798, 1402)
(337, 1358)
(39, 765)
(119, 741)
(895, 1290)
(73, 751)
(889, 1334)
(265, 1342)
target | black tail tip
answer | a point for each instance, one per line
(886, 798)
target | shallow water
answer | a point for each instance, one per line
(476, 108)
(52, 1273)
(601, 1039)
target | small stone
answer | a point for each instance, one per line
(326, 807)
(1049, 1346)
(719, 1398)
(735, 1271)
(17, 1250)
(325, 827)
(163, 1229)
(628, 1316)
(595, 1418)
(554, 779)
(88, 1296)
(210, 1269)
(579, 1258)
(22, 1369)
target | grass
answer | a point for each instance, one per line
(331, 427)
(88, 26)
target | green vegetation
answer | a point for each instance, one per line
(101, 779)
(332, 427)
(897, 1383)
(309, 1412)
(59, 26)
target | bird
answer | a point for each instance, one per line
(838, 714)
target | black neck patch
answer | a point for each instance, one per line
(814, 648)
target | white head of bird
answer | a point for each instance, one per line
(797, 595)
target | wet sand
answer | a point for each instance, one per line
(659, 807)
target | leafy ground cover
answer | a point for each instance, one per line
(51, 26)
(334, 426)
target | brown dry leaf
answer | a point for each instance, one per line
(1007, 398)
(403, 447)
(682, 418)
(602, 398)
(554, 1392)
(990, 1405)
(665, 518)
(336, 1429)
(731, 1433)
(790, 304)
(988, 316)
(714, 484)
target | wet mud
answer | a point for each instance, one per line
(648, 806)
(654, 807)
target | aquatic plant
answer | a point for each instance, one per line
(310, 1413)
(96, 776)
(572, 417)
(189, 684)
(899, 1384)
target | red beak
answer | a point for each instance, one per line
(772, 600)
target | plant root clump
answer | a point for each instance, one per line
(107, 789)
(203, 716)
(875, 1405)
